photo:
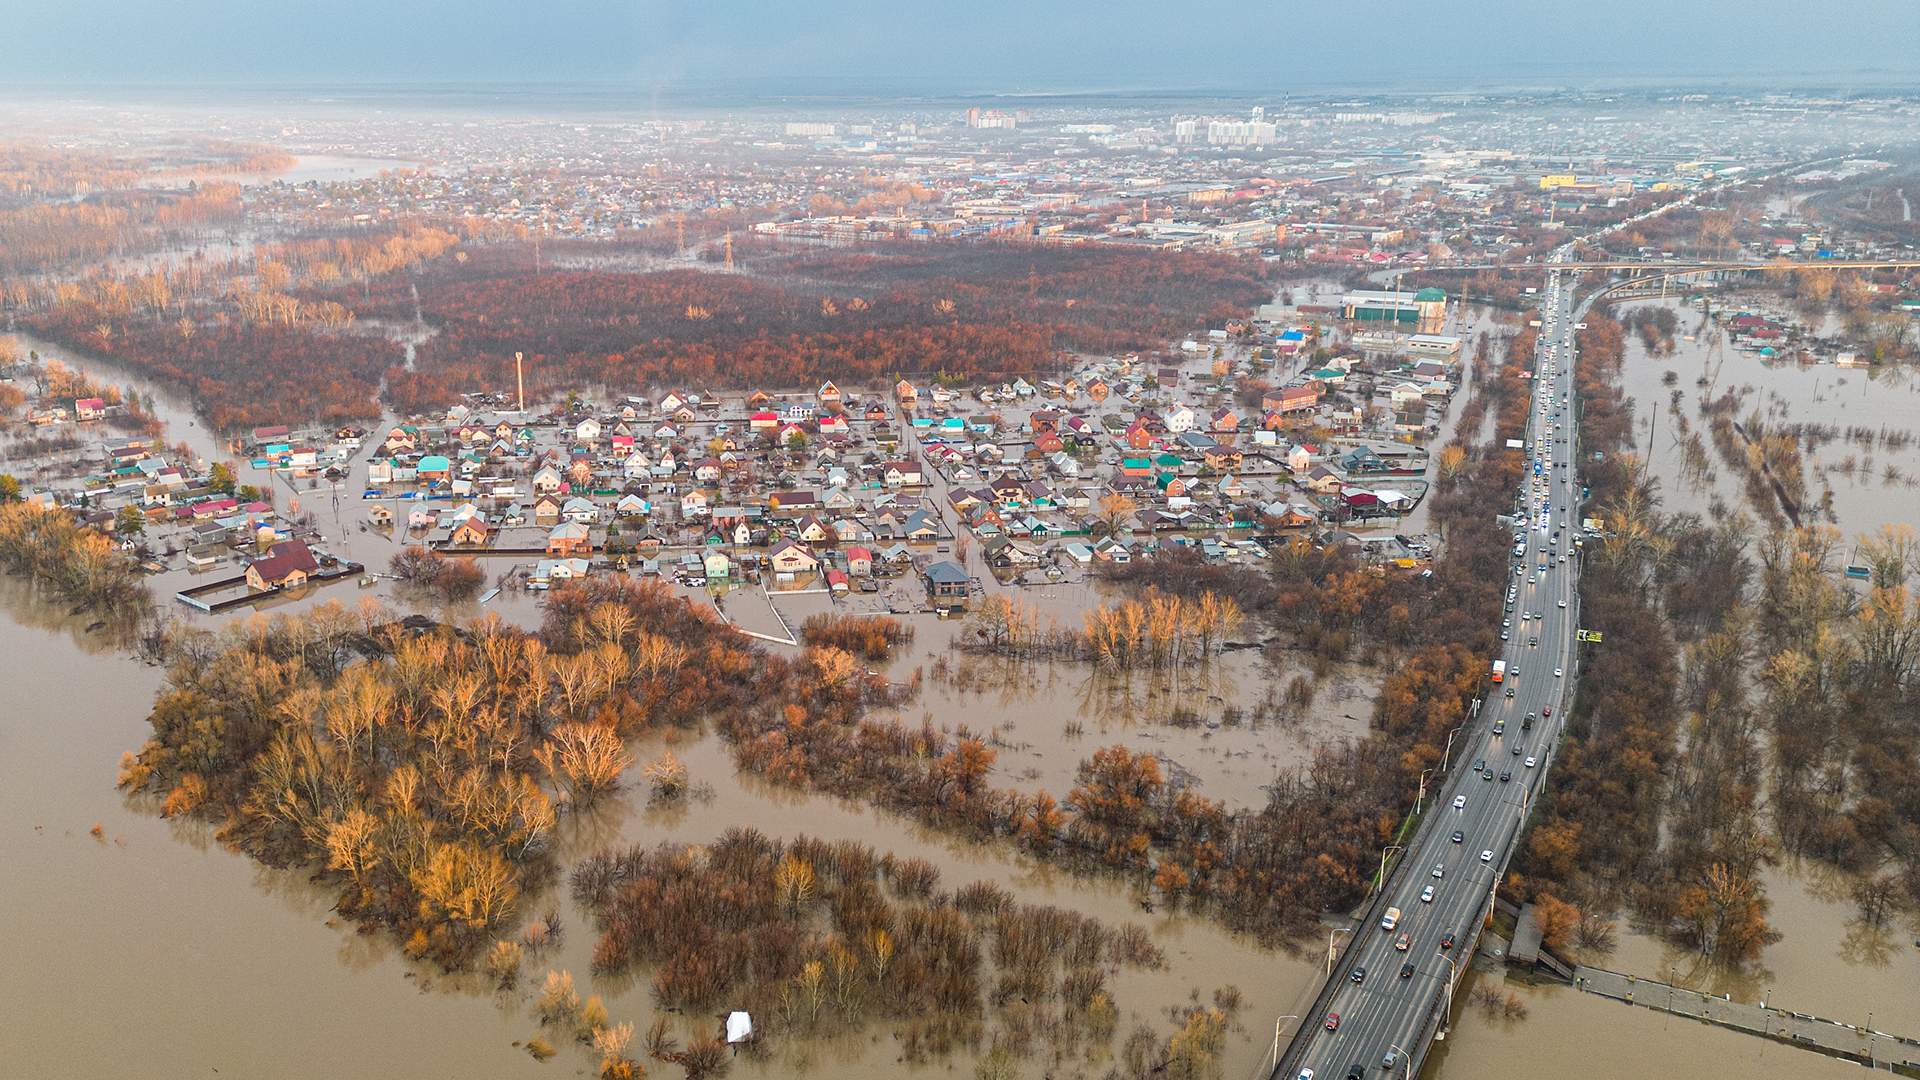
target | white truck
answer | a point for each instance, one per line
(1390, 920)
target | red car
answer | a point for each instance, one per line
(1546, 710)
(1333, 1021)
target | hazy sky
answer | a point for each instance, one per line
(967, 44)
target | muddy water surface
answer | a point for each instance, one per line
(150, 950)
(1865, 495)
(205, 960)
(1570, 1034)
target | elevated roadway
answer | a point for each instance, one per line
(1392, 1003)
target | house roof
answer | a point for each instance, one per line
(946, 572)
(291, 557)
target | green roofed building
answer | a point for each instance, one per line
(1421, 312)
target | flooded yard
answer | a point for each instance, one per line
(1866, 486)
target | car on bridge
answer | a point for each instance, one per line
(1486, 856)
(1333, 1021)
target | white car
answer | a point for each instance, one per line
(1485, 856)
(1426, 894)
(1563, 603)
(1530, 761)
(1556, 673)
(1459, 802)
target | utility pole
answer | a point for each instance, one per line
(520, 380)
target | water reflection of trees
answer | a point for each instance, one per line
(1869, 943)
(36, 610)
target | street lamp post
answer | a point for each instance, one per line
(1381, 880)
(1452, 978)
(1446, 758)
(1275, 1056)
(1420, 799)
(1337, 931)
(1405, 1058)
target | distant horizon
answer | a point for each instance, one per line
(825, 91)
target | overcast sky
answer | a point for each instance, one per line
(961, 44)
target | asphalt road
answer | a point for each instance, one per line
(1385, 1012)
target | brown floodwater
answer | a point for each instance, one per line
(1826, 963)
(201, 959)
(1570, 1034)
(1887, 397)
(1213, 721)
(151, 950)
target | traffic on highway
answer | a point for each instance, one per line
(1397, 973)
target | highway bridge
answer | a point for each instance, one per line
(1671, 266)
(1389, 993)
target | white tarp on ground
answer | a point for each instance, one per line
(739, 1026)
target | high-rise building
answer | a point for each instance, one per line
(1239, 132)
